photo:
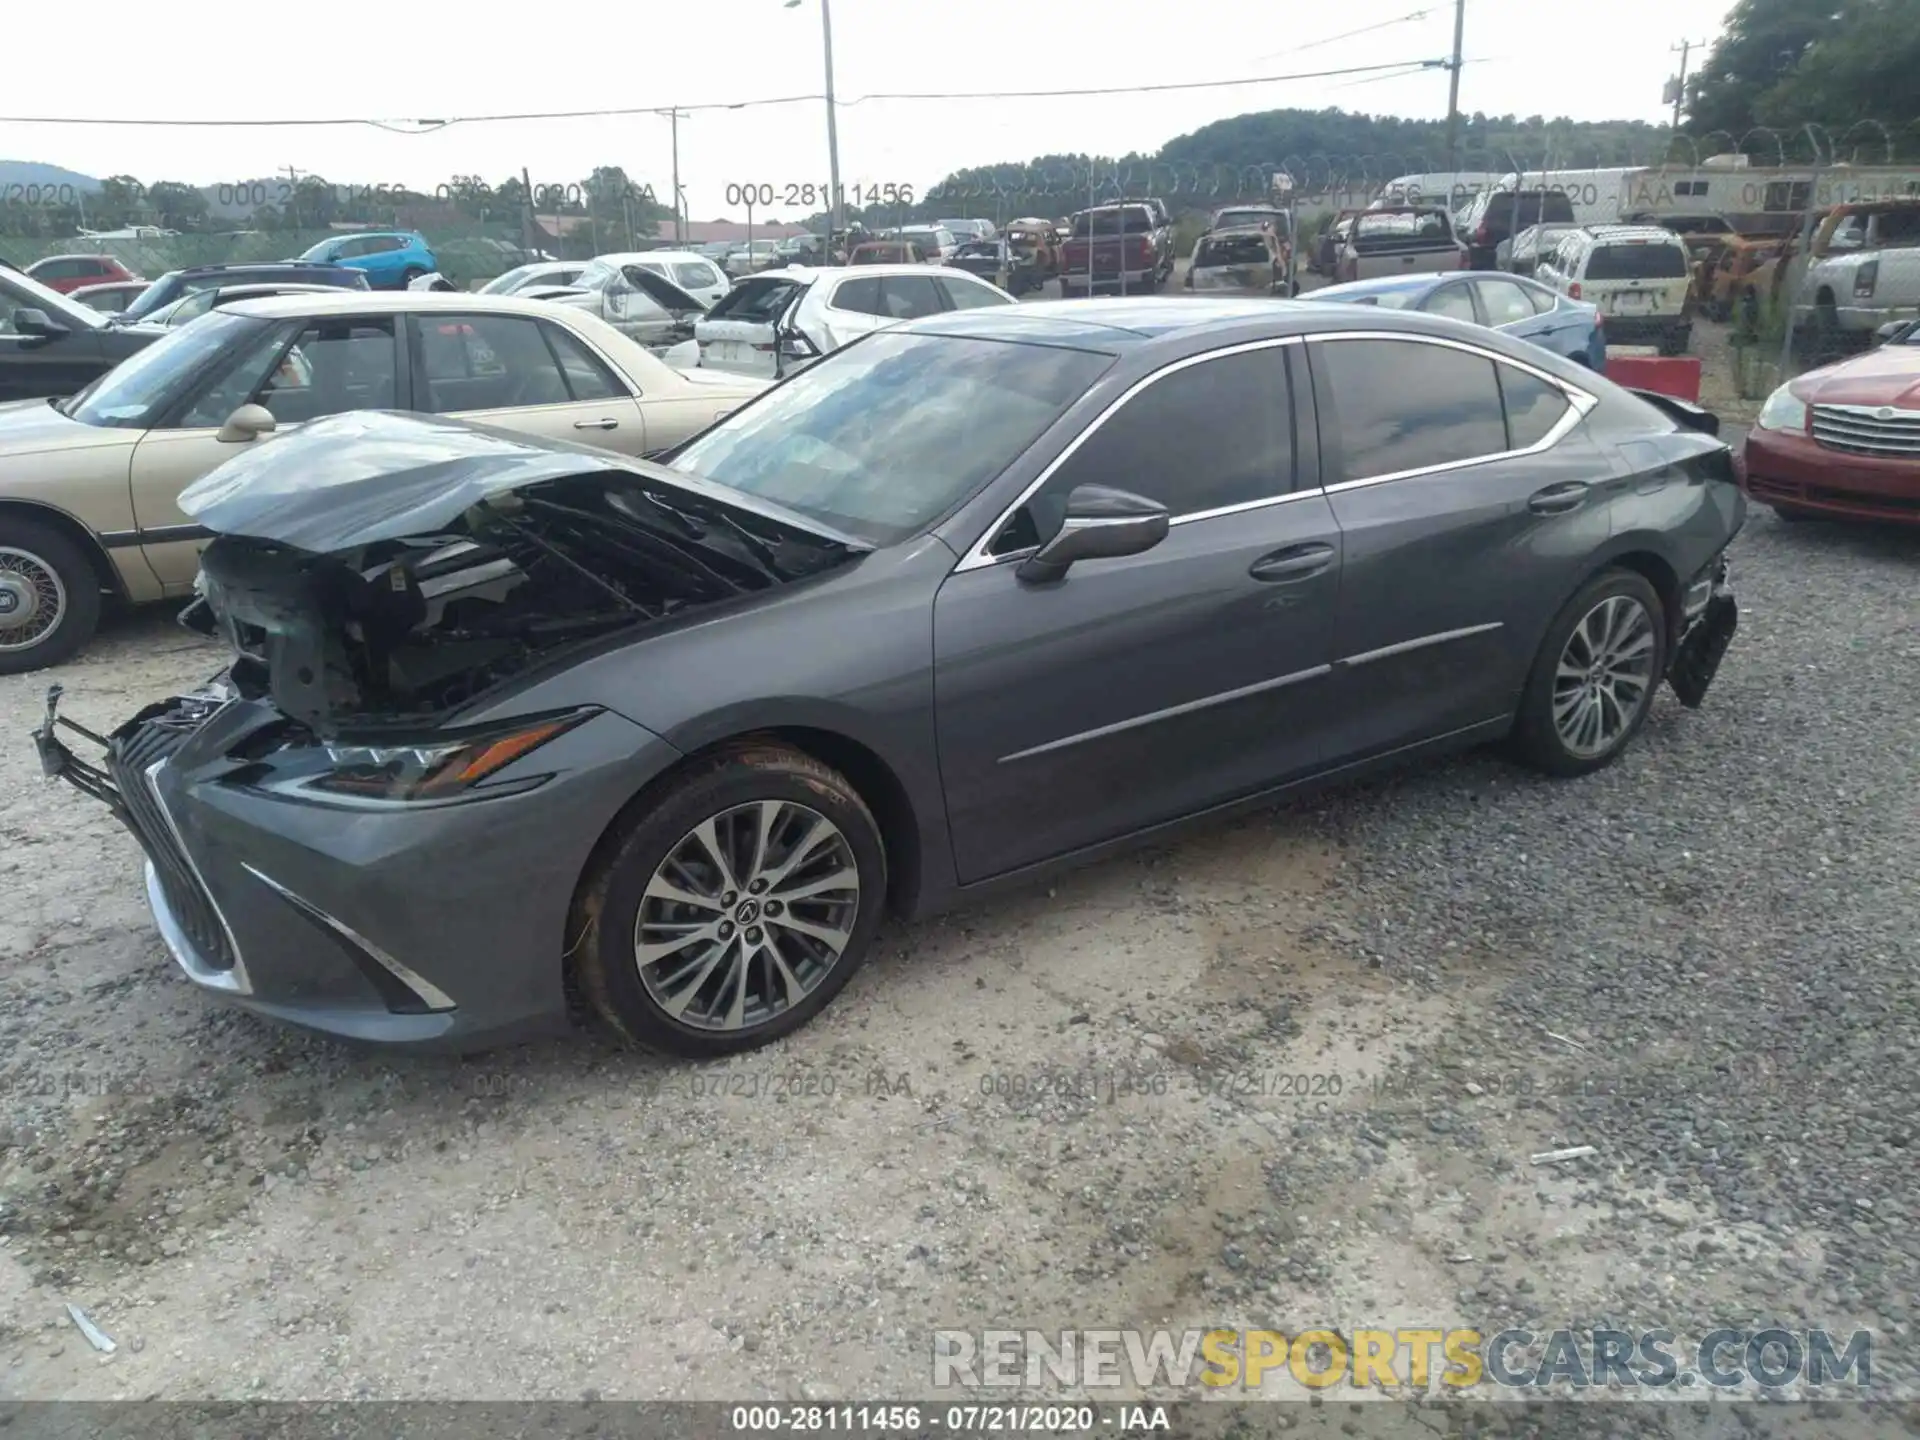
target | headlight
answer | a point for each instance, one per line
(436, 770)
(1784, 410)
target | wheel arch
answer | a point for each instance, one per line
(872, 777)
(88, 543)
(1656, 570)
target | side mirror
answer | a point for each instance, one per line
(1101, 524)
(247, 423)
(39, 324)
(1895, 331)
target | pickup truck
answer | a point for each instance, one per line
(1401, 240)
(1123, 247)
(1864, 270)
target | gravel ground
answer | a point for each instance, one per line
(1061, 1109)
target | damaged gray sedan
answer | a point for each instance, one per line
(512, 722)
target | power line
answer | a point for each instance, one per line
(1347, 35)
(426, 127)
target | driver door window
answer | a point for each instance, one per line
(331, 366)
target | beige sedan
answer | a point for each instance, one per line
(88, 486)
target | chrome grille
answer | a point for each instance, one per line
(1867, 429)
(130, 758)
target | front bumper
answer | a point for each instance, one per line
(1779, 467)
(432, 927)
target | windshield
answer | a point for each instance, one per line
(889, 434)
(132, 394)
(26, 293)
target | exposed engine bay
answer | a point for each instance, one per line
(401, 631)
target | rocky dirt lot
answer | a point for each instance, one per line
(1077, 1107)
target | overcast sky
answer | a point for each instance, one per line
(1524, 57)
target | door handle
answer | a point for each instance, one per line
(596, 424)
(1558, 499)
(1296, 562)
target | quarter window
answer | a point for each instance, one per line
(1401, 405)
(1205, 437)
(860, 296)
(1533, 406)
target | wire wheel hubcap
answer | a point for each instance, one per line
(749, 912)
(32, 599)
(1604, 677)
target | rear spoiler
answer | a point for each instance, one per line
(1682, 412)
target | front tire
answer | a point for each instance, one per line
(49, 597)
(732, 905)
(1593, 681)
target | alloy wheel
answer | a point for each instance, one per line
(32, 598)
(1604, 677)
(746, 915)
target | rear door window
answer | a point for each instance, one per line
(965, 295)
(486, 362)
(910, 297)
(1401, 405)
(1453, 301)
(1505, 302)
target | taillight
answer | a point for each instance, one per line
(1573, 290)
(1483, 236)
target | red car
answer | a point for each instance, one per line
(1843, 440)
(67, 273)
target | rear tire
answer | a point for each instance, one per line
(1593, 681)
(725, 958)
(49, 597)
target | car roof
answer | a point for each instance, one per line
(1121, 323)
(633, 257)
(1632, 232)
(333, 301)
(807, 274)
(1391, 284)
(257, 265)
(73, 255)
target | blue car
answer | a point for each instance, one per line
(1520, 308)
(391, 259)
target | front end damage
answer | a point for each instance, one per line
(331, 838)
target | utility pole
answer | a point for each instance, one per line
(526, 212)
(1679, 83)
(1453, 84)
(673, 116)
(836, 221)
(293, 195)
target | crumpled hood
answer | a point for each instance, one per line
(28, 427)
(369, 475)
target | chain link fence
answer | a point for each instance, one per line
(1758, 255)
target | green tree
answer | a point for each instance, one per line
(177, 206)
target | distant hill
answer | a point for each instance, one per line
(22, 173)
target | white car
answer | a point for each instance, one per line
(748, 259)
(772, 324)
(1639, 276)
(936, 240)
(690, 270)
(635, 299)
(545, 272)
